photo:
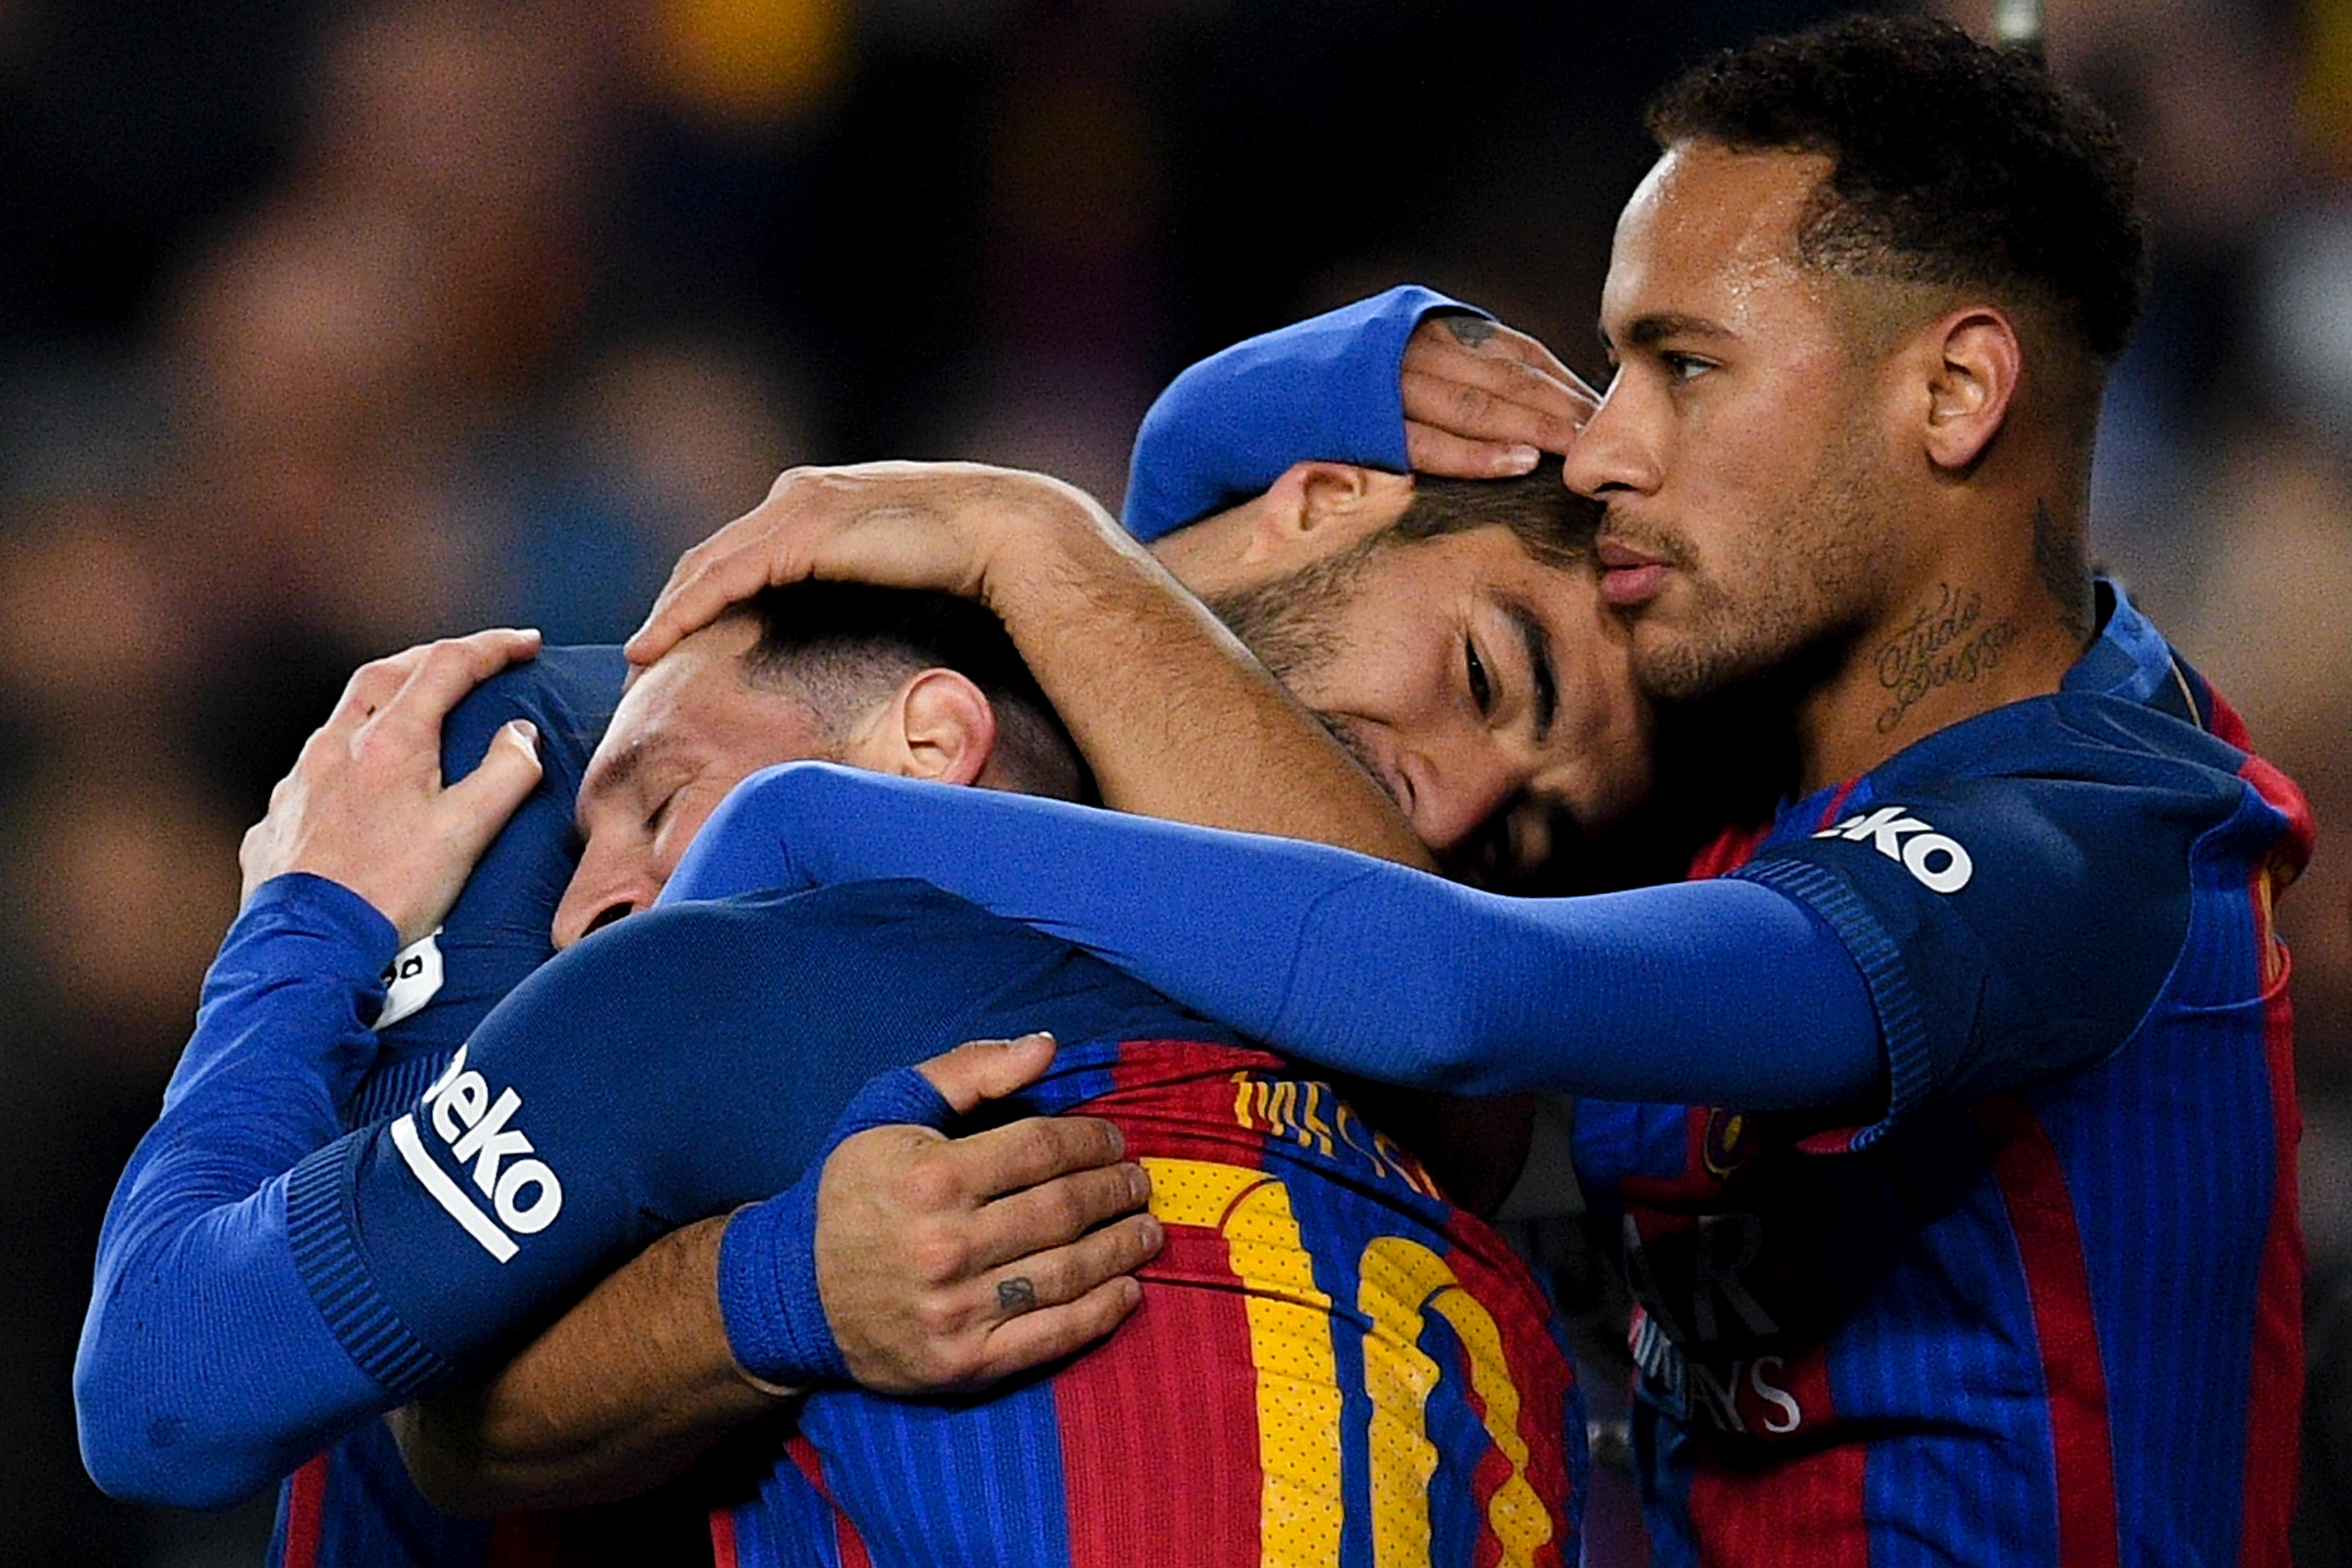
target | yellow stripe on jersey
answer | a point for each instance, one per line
(1401, 1281)
(1301, 1503)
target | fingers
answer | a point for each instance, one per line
(1050, 1334)
(1024, 1154)
(1479, 398)
(730, 565)
(987, 1069)
(1429, 450)
(484, 799)
(1056, 1214)
(450, 668)
(1496, 400)
(427, 680)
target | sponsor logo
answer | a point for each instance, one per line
(1938, 861)
(522, 1191)
(412, 979)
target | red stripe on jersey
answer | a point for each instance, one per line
(2274, 1402)
(848, 1546)
(722, 1537)
(306, 1513)
(1803, 1513)
(1729, 852)
(1159, 1427)
(2058, 1283)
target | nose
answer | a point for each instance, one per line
(1613, 451)
(607, 886)
(1456, 788)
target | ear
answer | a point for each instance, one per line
(1316, 509)
(1974, 365)
(938, 725)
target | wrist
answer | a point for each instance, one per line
(769, 1302)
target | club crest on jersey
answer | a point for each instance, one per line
(1938, 861)
(522, 1191)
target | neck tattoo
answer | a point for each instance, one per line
(1948, 642)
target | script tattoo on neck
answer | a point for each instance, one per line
(2065, 571)
(1948, 642)
(1468, 330)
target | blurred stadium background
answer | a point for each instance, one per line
(328, 325)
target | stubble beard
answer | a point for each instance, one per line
(1800, 584)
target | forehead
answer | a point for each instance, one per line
(695, 700)
(1468, 561)
(1712, 232)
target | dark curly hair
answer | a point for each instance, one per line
(1956, 164)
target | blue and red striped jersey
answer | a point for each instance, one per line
(1332, 1365)
(2042, 1304)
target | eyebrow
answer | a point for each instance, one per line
(623, 770)
(1538, 640)
(1647, 332)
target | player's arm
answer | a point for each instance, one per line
(1726, 992)
(1218, 741)
(203, 1372)
(911, 1241)
(622, 1393)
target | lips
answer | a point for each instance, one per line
(1629, 578)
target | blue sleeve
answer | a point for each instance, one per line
(1728, 993)
(1227, 427)
(205, 1373)
(2015, 926)
(679, 1064)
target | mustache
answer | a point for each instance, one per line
(1618, 527)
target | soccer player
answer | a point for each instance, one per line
(1323, 1311)
(1975, 1239)
(1480, 558)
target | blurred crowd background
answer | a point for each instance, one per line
(331, 325)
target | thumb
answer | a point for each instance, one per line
(987, 1069)
(486, 797)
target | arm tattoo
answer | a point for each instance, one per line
(2065, 571)
(1469, 331)
(1943, 644)
(1016, 1294)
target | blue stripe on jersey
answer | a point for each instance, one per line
(1932, 1496)
(2173, 1297)
(949, 1481)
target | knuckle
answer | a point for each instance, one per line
(1068, 1210)
(938, 1253)
(938, 1320)
(930, 1183)
(1472, 403)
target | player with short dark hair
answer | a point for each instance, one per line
(1973, 1237)
(689, 1063)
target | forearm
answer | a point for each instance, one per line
(205, 1373)
(1654, 995)
(624, 1392)
(1177, 719)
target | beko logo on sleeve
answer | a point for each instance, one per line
(1940, 862)
(521, 1189)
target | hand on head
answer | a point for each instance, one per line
(1484, 402)
(894, 525)
(365, 804)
